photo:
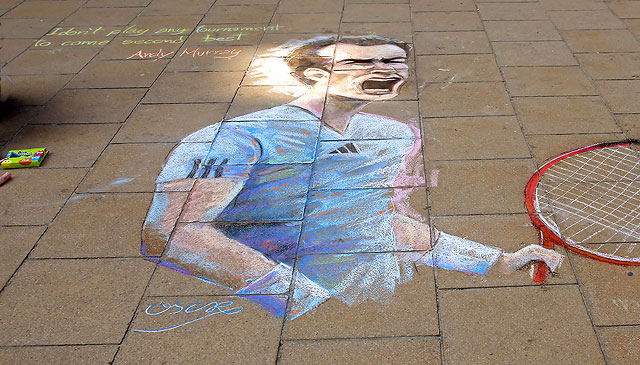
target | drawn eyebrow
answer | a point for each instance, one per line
(357, 60)
(369, 60)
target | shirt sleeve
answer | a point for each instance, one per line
(460, 254)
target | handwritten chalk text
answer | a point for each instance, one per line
(207, 310)
(216, 53)
(148, 55)
(204, 29)
(153, 41)
(235, 37)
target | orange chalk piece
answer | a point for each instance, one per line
(4, 178)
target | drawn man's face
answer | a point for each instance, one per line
(366, 72)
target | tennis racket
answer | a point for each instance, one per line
(588, 200)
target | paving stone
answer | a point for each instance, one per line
(36, 89)
(484, 319)
(564, 115)
(585, 41)
(27, 28)
(378, 1)
(352, 351)
(250, 14)
(299, 23)
(118, 74)
(625, 9)
(478, 186)
(547, 81)
(491, 230)
(12, 48)
(438, 21)
(58, 302)
(58, 354)
(506, 1)
(174, 22)
(310, 6)
(630, 124)
(194, 343)
(547, 147)
(90, 106)
(401, 31)
(573, 5)
(618, 343)
(37, 202)
(189, 87)
(177, 7)
(457, 68)
(610, 291)
(521, 30)
(411, 311)
(375, 13)
(14, 117)
(102, 16)
(15, 245)
(588, 19)
(168, 122)
(44, 9)
(127, 168)
(53, 61)
(473, 138)
(533, 54)
(511, 11)
(621, 95)
(443, 5)
(116, 3)
(92, 225)
(69, 145)
(242, 2)
(465, 99)
(611, 66)
(451, 43)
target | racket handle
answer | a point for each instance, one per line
(543, 270)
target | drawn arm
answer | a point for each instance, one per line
(460, 254)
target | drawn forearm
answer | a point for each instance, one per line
(202, 250)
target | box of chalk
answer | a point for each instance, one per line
(31, 157)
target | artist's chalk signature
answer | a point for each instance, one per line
(206, 310)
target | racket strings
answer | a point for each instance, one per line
(597, 202)
(594, 192)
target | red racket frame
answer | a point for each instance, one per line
(549, 238)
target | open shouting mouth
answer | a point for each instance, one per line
(381, 85)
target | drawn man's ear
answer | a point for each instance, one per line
(316, 74)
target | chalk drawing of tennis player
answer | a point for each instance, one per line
(268, 201)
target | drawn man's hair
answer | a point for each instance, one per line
(306, 55)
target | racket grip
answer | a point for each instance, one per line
(543, 270)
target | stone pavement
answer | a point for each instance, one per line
(497, 87)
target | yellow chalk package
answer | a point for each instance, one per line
(31, 157)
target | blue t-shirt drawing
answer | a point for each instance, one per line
(325, 198)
